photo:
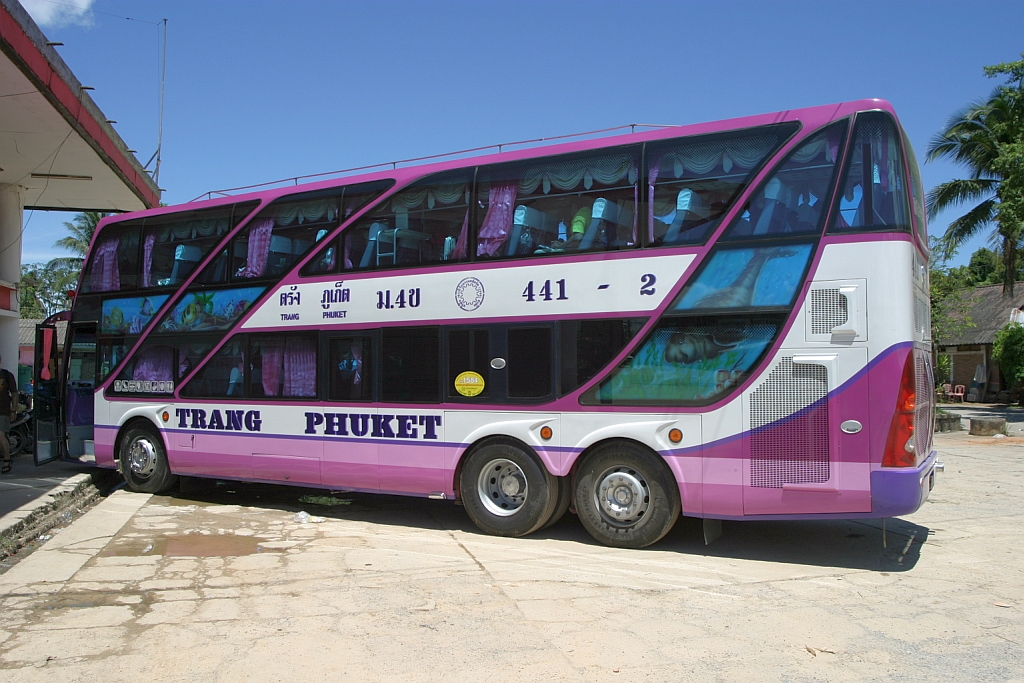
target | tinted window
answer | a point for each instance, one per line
(916, 191)
(585, 202)
(469, 369)
(114, 259)
(588, 345)
(351, 369)
(689, 361)
(691, 183)
(410, 365)
(174, 244)
(224, 374)
(529, 362)
(873, 193)
(282, 366)
(157, 366)
(794, 198)
(426, 223)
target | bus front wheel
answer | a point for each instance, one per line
(144, 462)
(506, 491)
(626, 496)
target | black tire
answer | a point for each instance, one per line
(564, 499)
(506, 490)
(626, 496)
(15, 442)
(143, 461)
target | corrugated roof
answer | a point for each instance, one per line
(990, 312)
(27, 331)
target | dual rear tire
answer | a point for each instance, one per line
(625, 495)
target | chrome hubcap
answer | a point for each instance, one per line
(622, 496)
(502, 487)
(142, 458)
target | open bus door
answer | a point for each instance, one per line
(46, 404)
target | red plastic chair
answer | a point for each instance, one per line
(958, 392)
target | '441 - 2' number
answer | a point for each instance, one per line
(545, 292)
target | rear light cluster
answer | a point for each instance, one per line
(899, 449)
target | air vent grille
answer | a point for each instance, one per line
(828, 310)
(789, 423)
(923, 408)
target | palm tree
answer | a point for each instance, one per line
(81, 229)
(983, 138)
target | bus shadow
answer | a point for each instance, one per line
(842, 544)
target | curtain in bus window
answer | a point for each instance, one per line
(147, 260)
(271, 354)
(498, 220)
(300, 367)
(793, 199)
(691, 183)
(106, 276)
(874, 193)
(259, 249)
(154, 363)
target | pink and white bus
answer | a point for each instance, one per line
(727, 320)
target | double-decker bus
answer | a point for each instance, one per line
(727, 320)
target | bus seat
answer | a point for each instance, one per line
(300, 247)
(279, 256)
(528, 219)
(772, 218)
(604, 212)
(186, 256)
(399, 238)
(689, 207)
(371, 245)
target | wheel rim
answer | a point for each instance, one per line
(622, 496)
(142, 457)
(501, 487)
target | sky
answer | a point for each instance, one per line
(262, 90)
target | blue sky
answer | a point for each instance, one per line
(262, 90)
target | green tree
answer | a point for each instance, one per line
(43, 291)
(987, 139)
(81, 228)
(1009, 351)
(950, 294)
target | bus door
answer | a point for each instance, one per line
(46, 406)
(807, 451)
(79, 392)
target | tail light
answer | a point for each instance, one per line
(899, 449)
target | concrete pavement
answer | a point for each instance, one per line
(225, 585)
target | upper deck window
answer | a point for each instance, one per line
(573, 203)
(793, 199)
(916, 191)
(425, 223)
(285, 230)
(873, 194)
(691, 183)
(158, 251)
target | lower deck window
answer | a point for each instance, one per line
(410, 365)
(529, 362)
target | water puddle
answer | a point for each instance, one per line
(188, 545)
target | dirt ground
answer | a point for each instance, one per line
(224, 584)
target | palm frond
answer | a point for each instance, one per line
(968, 225)
(956, 192)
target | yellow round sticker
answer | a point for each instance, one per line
(469, 383)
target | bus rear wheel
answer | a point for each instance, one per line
(626, 496)
(144, 462)
(506, 490)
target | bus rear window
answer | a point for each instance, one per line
(873, 194)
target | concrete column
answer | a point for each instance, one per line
(12, 202)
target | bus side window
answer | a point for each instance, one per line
(587, 346)
(350, 369)
(410, 365)
(114, 259)
(469, 370)
(580, 202)
(793, 199)
(224, 374)
(873, 194)
(692, 182)
(423, 224)
(529, 362)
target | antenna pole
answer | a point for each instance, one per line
(160, 131)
